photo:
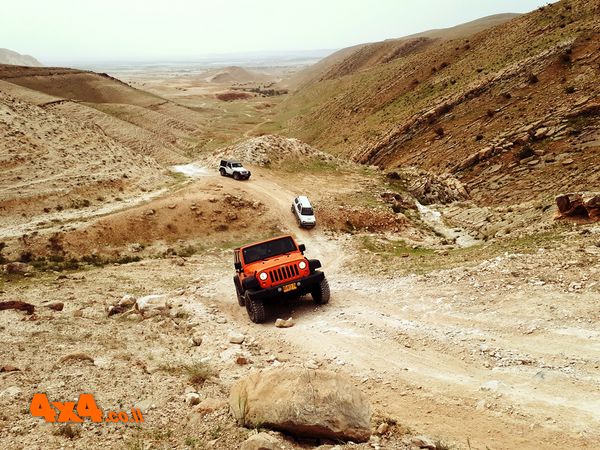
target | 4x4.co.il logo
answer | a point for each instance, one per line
(76, 411)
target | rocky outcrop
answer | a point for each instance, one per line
(302, 402)
(427, 187)
(579, 206)
(271, 149)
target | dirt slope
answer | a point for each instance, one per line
(480, 107)
(50, 163)
(148, 123)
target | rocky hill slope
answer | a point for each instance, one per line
(73, 142)
(364, 56)
(511, 110)
(11, 57)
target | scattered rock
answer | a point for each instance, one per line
(310, 364)
(383, 428)
(17, 268)
(196, 340)
(151, 305)
(261, 441)
(236, 338)
(305, 403)
(127, 300)
(116, 309)
(191, 398)
(209, 405)
(492, 386)
(242, 360)
(11, 393)
(281, 323)
(423, 442)
(55, 306)
(8, 368)
(18, 305)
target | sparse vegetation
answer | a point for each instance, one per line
(68, 431)
(199, 372)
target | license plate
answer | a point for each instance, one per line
(289, 287)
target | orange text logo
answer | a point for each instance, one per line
(77, 411)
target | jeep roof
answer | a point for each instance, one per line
(304, 202)
(225, 161)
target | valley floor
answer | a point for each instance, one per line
(500, 353)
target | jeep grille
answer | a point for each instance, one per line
(284, 273)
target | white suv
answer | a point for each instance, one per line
(304, 212)
(233, 169)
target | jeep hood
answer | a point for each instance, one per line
(273, 262)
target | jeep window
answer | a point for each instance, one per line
(307, 211)
(269, 249)
(236, 165)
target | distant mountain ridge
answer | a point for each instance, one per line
(16, 59)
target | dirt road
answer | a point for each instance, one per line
(485, 354)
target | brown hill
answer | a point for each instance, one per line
(50, 165)
(150, 124)
(512, 110)
(234, 75)
(363, 56)
(11, 57)
(75, 144)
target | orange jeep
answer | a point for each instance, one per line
(276, 269)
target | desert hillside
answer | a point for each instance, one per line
(511, 109)
(364, 56)
(11, 57)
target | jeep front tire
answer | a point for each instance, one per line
(321, 294)
(255, 308)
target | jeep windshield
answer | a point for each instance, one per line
(307, 212)
(236, 164)
(269, 249)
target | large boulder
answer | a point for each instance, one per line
(302, 402)
(585, 206)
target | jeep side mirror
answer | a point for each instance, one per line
(238, 266)
(302, 248)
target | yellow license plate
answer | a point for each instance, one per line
(289, 287)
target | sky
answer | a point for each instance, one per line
(172, 30)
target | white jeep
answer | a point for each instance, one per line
(233, 169)
(304, 212)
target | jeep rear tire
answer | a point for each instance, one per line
(321, 293)
(255, 308)
(238, 291)
(222, 172)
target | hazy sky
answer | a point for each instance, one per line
(111, 30)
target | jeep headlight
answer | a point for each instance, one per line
(302, 265)
(263, 276)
